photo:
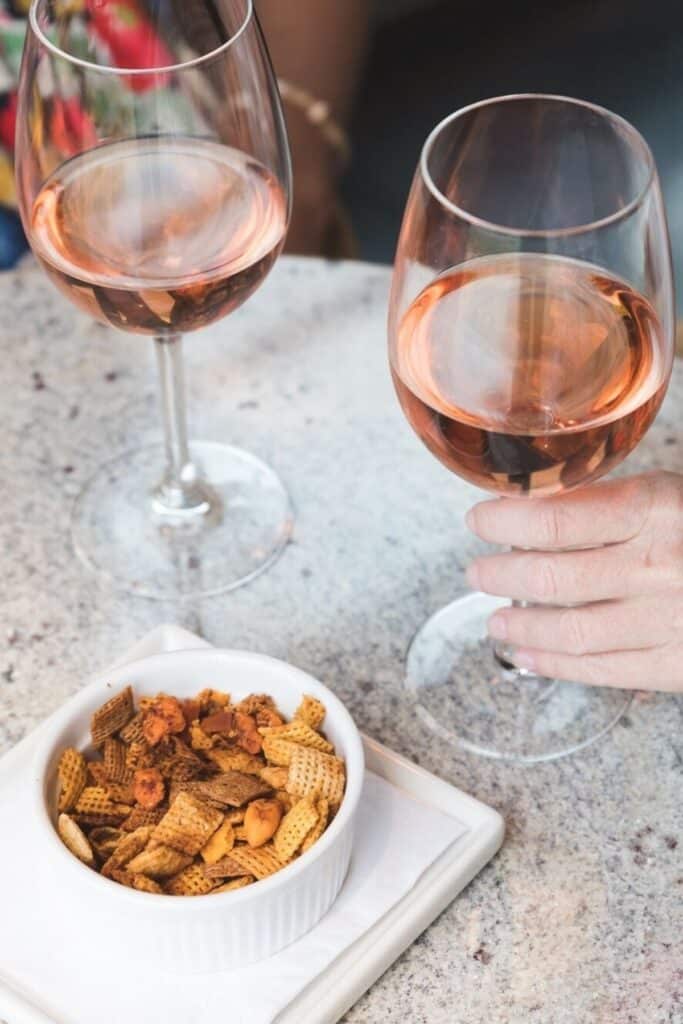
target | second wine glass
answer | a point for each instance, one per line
(154, 183)
(531, 343)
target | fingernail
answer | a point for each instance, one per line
(472, 575)
(524, 659)
(469, 519)
(498, 628)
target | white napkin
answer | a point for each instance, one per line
(72, 981)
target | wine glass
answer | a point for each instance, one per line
(531, 344)
(154, 184)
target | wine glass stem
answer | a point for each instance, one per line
(180, 492)
(534, 690)
(501, 649)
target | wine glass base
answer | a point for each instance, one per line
(463, 694)
(119, 533)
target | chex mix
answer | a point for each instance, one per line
(189, 797)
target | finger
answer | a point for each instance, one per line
(606, 513)
(568, 577)
(631, 625)
(630, 670)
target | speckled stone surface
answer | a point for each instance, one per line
(579, 920)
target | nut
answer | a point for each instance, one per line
(268, 716)
(261, 821)
(148, 787)
(164, 717)
(248, 736)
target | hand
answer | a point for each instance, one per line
(625, 626)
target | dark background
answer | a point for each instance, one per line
(624, 54)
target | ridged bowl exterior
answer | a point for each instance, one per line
(225, 938)
(215, 932)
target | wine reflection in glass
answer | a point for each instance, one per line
(157, 199)
(531, 344)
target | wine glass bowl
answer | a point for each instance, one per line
(531, 344)
(154, 185)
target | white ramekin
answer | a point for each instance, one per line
(202, 933)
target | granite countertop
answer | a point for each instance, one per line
(580, 917)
